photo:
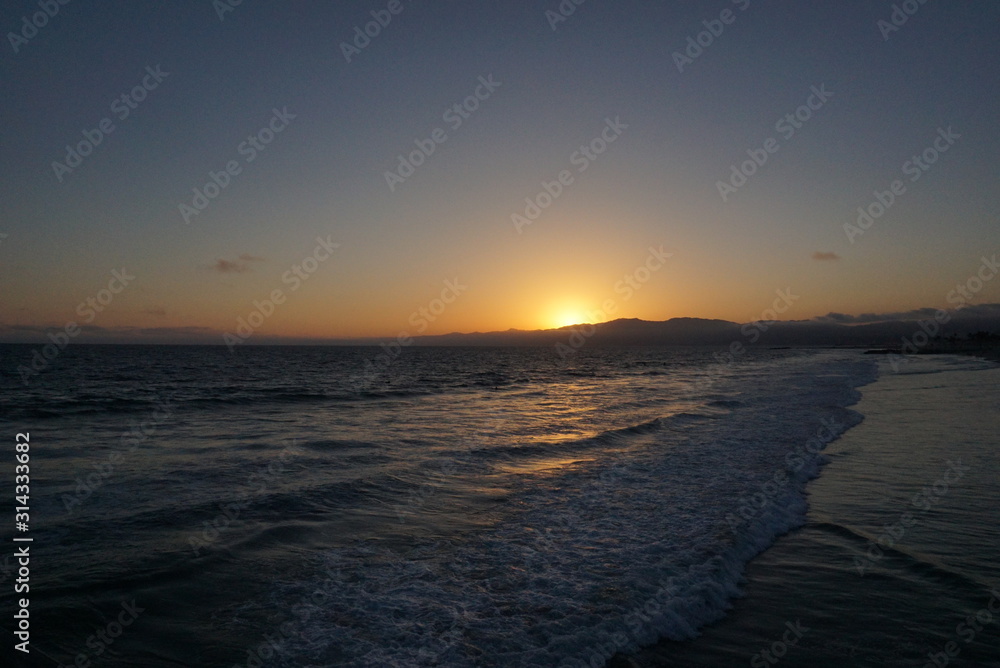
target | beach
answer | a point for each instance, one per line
(896, 564)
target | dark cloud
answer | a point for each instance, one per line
(842, 318)
(227, 267)
(824, 256)
(239, 266)
(980, 311)
(976, 311)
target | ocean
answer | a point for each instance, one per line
(327, 506)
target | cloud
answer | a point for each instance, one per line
(227, 267)
(971, 311)
(824, 256)
(238, 266)
(155, 311)
(980, 311)
(841, 318)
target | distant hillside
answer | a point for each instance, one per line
(699, 331)
(886, 330)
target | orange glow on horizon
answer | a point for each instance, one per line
(565, 314)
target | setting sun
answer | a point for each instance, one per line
(566, 317)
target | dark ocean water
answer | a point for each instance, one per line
(460, 507)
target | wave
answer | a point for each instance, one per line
(865, 543)
(73, 407)
(631, 545)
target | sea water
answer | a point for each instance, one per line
(460, 507)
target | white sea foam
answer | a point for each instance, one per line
(634, 542)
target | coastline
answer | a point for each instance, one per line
(988, 351)
(828, 594)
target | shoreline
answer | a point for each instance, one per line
(991, 353)
(987, 352)
(918, 588)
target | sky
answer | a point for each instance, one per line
(189, 170)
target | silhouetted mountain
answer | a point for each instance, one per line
(699, 331)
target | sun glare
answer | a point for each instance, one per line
(568, 317)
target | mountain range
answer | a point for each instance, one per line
(868, 330)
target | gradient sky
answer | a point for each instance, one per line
(655, 186)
